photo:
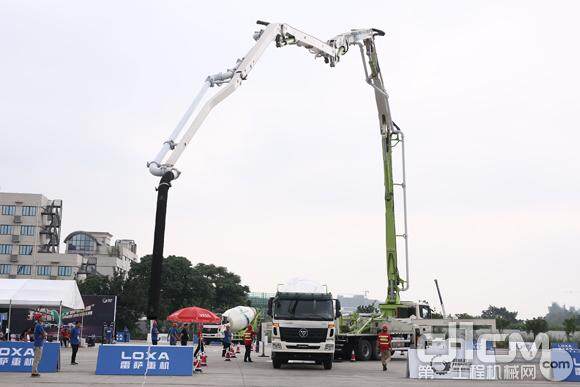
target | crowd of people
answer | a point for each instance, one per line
(180, 334)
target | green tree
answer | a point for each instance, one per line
(225, 286)
(370, 308)
(536, 325)
(570, 327)
(503, 317)
(182, 285)
(464, 316)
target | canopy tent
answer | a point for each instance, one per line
(16, 293)
(31, 292)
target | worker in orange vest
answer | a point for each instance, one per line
(249, 336)
(384, 339)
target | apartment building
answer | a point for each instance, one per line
(100, 256)
(30, 226)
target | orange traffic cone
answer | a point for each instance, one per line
(352, 356)
(238, 348)
(227, 355)
(232, 353)
(197, 364)
(203, 359)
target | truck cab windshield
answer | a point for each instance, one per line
(304, 310)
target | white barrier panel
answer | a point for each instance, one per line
(465, 366)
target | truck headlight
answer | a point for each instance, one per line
(276, 345)
(329, 347)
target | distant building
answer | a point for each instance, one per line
(350, 303)
(30, 226)
(100, 257)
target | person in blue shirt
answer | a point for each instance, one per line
(154, 333)
(173, 332)
(39, 337)
(227, 340)
(75, 341)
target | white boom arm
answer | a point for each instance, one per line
(282, 34)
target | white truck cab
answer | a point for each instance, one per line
(303, 327)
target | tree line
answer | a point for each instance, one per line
(558, 318)
(207, 286)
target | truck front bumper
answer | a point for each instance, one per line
(302, 351)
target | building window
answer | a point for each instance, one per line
(8, 210)
(5, 249)
(5, 269)
(43, 270)
(24, 270)
(25, 249)
(26, 230)
(65, 271)
(6, 229)
(82, 243)
(28, 211)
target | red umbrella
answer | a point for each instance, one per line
(194, 314)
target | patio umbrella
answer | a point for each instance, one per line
(194, 314)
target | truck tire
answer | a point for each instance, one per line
(276, 363)
(365, 350)
(327, 363)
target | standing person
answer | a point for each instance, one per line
(249, 336)
(200, 346)
(184, 335)
(154, 333)
(173, 334)
(384, 339)
(227, 340)
(66, 336)
(39, 337)
(75, 341)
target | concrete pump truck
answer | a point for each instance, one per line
(358, 333)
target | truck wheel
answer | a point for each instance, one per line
(276, 363)
(327, 363)
(365, 350)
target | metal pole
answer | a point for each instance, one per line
(59, 321)
(58, 332)
(115, 321)
(9, 317)
(440, 299)
(158, 242)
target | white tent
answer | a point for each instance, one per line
(16, 293)
(33, 292)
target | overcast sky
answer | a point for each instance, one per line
(284, 179)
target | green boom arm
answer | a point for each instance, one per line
(390, 137)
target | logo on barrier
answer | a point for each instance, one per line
(19, 356)
(138, 360)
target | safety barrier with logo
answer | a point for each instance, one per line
(17, 356)
(140, 359)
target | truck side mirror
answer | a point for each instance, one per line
(338, 309)
(270, 302)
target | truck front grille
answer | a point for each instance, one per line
(303, 335)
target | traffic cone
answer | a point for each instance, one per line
(232, 353)
(352, 356)
(238, 348)
(203, 359)
(227, 355)
(197, 365)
